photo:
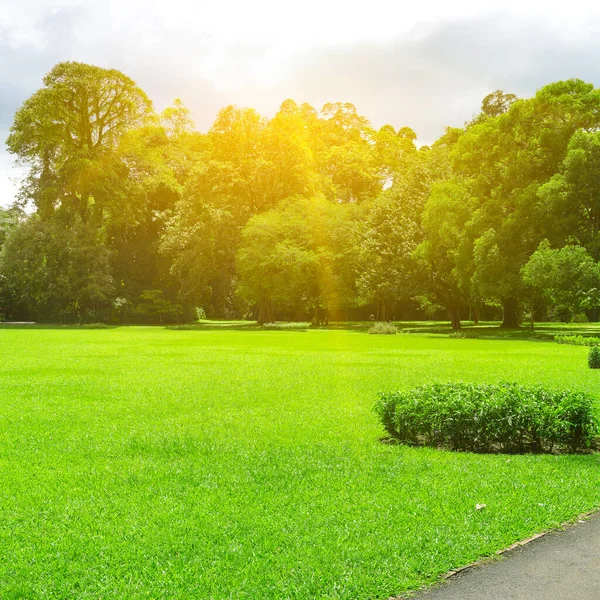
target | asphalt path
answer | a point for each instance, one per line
(562, 565)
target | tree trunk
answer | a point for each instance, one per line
(264, 311)
(455, 318)
(383, 311)
(510, 317)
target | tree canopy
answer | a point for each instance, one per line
(126, 215)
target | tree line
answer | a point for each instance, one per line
(129, 215)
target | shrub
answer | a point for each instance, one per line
(490, 418)
(286, 326)
(457, 335)
(382, 328)
(579, 318)
(594, 357)
(577, 340)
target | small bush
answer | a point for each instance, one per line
(594, 357)
(286, 326)
(577, 340)
(457, 335)
(382, 328)
(490, 418)
(96, 326)
(579, 318)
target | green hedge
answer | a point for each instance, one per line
(491, 418)
(577, 340)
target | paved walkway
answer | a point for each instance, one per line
(562, 565)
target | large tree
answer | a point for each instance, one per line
(508, 157)
(79, 112)
(292, 260)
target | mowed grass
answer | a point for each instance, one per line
(151, 463)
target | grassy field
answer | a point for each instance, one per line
(155, 463)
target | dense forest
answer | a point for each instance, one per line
(126, 215)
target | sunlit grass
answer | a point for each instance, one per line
(146, 462)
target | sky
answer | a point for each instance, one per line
(424, 64)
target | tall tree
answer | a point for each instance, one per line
(570, 200)
(81, 111)
(509, 157)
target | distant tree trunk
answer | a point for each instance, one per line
(264, 311)
(455, 318)
(383, 312)
(510, 317)
(316, 317)
(475, 313)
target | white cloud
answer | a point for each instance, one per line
(425, 64)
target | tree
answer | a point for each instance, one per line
(446, 252)
(153, 307)
(81, 111)
(568, 278)
(57, 271)
(508, 157)
(497, 103)
(388, 231)
(346, 157)
(570, 200)
(290, 259)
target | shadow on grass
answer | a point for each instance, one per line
(483, 330)
(34, 325)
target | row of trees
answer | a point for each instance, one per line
(128, 215)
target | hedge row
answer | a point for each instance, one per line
(577, 340)
(491, 418)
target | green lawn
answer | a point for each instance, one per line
(155, 463)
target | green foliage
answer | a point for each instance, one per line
(291, 258)
(57, 270)
(457, 335)
(153, 307)
(491, 418)
(594, 357)
(567, 278)
(286, 326)
(507, 174)
(577, 340)
(446, 254)
(373, 221)
(382, 328)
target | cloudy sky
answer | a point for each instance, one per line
(423, 64)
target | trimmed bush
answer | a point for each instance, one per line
(577, 340)
(381, 328)
(594, 357)
(491, 418)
